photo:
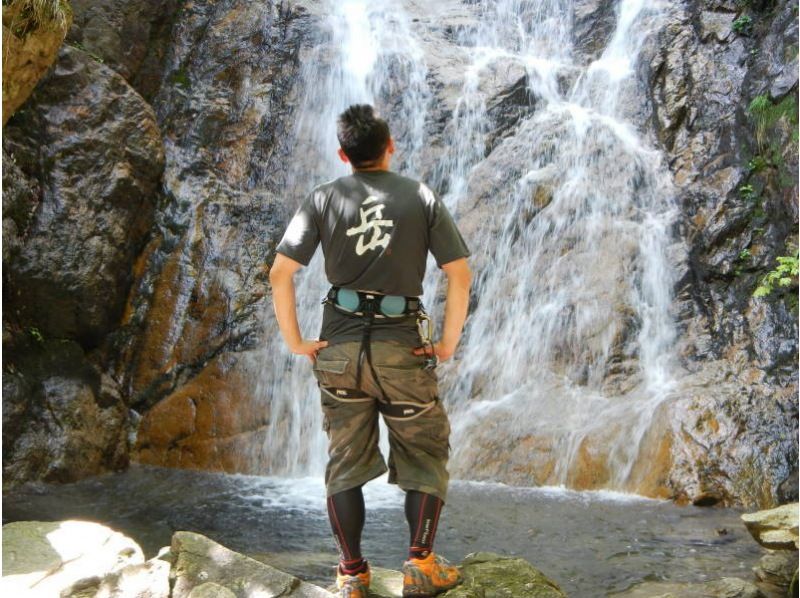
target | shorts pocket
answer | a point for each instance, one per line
(407, 383)
(333, 372)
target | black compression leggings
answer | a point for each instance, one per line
(346, 514)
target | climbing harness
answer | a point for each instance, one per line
(370, 306)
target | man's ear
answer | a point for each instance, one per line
(342, 156)
(390, 146)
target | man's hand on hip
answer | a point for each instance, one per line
(442, 351)
(309, 348)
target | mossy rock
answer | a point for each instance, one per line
(486, 575)
(490, 575)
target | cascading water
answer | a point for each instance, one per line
(366, 56)
(569, 340)
(577, 263)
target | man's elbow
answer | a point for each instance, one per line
(458, 273)
(282, 269)
(467, 281)
(279, 273)
(274, 274)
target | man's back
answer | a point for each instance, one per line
(376, 228)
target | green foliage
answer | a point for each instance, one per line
(180, 78)
(30, 15)
(36, 334)
(766, 115)
(784, 275)
(745, 255)
(757, 164)
(743, 24)
(747, 192)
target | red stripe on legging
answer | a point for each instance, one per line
(342, 541)
(353, 561)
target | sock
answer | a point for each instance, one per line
(422, 514)
(346, 514)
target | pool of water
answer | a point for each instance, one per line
(590, 543)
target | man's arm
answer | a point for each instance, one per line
(281, 277)
(459, 277)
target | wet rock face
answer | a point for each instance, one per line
(62, 420)
(593, 24)
(226, 118)
(737, 215)
(129, 36)
(735, 428)
(94, 147)
(84, 158)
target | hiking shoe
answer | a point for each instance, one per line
(353, 586)
(429, 576)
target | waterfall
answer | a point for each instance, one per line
(570, 341)
(568, 346)
(367, 54)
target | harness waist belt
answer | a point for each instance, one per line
(367, 303)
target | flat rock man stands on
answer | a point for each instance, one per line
(376, 228)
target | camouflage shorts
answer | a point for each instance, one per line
(419, 430)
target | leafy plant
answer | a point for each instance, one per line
(36, 334)
(180, 78)
(747, 192)
(757, 164)
(742, 24)
(784, 275)
(745, 255)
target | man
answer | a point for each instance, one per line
(376, 228)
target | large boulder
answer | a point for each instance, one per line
(201, 567)
(62, 419)
(94, 146)
(775, 528)
(141, 580)
(775, 571)
(48, 558)
(489, 574)
(83, 164)
(726, 587)
(486, 574)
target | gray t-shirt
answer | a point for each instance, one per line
(376, 228)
